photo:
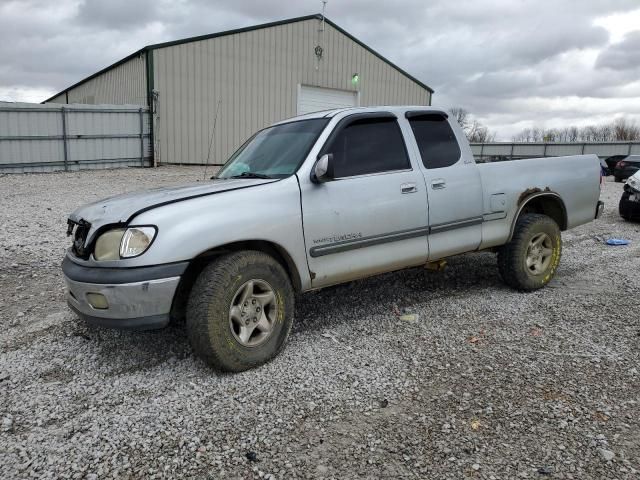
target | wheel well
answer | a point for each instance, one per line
(549, 204)
(178, 309)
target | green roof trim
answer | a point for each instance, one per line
(233, 32)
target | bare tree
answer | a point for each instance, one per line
(478, 133)
(473, 129)
(622, 130)
(461, 116)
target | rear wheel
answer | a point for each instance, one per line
(240, 311)
(529, 261)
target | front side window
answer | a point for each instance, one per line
(436, 141)
(366, 146)
(275, 152)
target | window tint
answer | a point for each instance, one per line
(369, 146)
(436, 141)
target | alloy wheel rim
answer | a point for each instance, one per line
(539, 253)
(252, 313)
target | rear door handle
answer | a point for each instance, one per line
(408, 188)
(438, 183)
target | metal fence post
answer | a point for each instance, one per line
(64, 139)
(141, 139)
(629, 151)
(544, 151)
(511, 155)
(584, 145)
(481, 151)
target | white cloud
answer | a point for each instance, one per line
(619, 24)
(512, 64)
(24, 94)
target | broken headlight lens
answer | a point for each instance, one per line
(136, 240)
(123, 243)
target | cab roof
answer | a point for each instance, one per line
(397, 110)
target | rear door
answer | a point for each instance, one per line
(373, 216)
(454, 186)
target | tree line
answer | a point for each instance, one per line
(620, 130)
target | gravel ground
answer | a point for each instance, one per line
(414, 374)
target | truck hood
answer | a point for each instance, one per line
(121, 209)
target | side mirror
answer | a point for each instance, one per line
(323, 169)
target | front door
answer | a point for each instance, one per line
(373, 217)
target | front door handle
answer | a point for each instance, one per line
(438, 183)
(408, 188)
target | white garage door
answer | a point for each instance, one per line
(314, 99)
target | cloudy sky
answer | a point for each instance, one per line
(512, 63)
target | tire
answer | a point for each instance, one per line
(618, 179)
(623, 209)
(221, 297)
(513, 257)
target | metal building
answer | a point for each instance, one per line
(243, 80)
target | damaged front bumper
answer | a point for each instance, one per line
(125, 298)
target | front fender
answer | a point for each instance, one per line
(269, 213)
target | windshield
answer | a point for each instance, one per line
(275, 152)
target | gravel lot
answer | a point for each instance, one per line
(414, 374)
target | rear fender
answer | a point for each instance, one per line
(545, 202)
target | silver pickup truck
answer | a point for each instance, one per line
(313, 201)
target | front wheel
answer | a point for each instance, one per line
(529, 261)
(240, 311)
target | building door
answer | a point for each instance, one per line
(314, 99)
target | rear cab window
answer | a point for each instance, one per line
(436, 141)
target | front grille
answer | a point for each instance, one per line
(79, 230)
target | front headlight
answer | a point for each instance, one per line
(634, 183)
(108, 245)
(136, 240)
(123, 243)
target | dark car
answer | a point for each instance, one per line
(612, 161)
(604, 168)
(629, 207)
(627, 167)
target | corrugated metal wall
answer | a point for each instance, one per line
(44, 138)
(125, 84)
(255, 77)
(62, 98)
(487, 151)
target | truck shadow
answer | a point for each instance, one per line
(127, 352)
(396, 292)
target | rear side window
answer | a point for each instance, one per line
(369, 146)
(436, 141)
